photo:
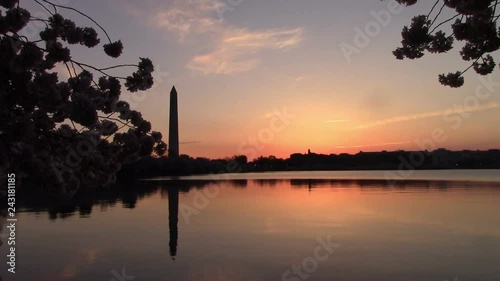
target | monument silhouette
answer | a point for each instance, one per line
(173, 130)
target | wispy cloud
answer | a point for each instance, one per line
(238, 48)
(425, 115)
(228, 48)
(336, 121)
(376, 145)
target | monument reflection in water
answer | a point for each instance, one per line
(173, 219)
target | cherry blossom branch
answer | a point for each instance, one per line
(83, 14)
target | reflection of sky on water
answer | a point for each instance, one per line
(257, 229)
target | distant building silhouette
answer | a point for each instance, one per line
(173, 130)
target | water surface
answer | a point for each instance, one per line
(260, 228)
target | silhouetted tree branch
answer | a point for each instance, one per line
(475, 24)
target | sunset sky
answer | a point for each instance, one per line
(233, 70)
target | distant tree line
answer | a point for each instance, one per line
(182, 165)
(393, 160)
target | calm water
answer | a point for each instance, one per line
(284, 226)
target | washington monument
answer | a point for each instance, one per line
(173, 130)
